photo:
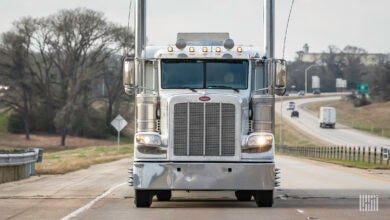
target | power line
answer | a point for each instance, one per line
(128, 25)
(128, 18)
(288, 21)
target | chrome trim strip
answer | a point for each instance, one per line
(220, 128)
(204, 129)
(188, 128)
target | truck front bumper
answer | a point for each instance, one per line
(204, 176)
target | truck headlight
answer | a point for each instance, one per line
(149, 145)
(148, 139)
(258, 143)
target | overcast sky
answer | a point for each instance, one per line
(317, 22)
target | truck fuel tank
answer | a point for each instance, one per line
(146, 112)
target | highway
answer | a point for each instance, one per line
(309, 190)
(340, 136)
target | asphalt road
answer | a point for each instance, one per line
(309, 190)
(340, 136)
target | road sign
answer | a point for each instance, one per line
(315, 82)
(362, 88)
(119, 123)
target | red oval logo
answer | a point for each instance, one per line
(204, 98)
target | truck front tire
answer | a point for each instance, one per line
(164, 195)
(264, 198)
(143, 198)
(243, 195)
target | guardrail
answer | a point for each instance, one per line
(370, 155)
(16, 166)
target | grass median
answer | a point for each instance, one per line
(374, 118)
(356, 164)
(292, 136)
(62, 162)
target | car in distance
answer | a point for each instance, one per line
(295, 113)
(316, 92)
(290, 106)
(301, 93)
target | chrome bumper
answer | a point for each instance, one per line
(204, 176)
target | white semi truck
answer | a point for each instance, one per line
(204, 114)
(327, 117)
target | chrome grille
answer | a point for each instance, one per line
(204, 129)
(180, 133)
(228, 129)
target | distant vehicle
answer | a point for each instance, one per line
(301, 93)
(327, 117)
(291, 106)
(286, 94)
(295, 113)
(316, 92)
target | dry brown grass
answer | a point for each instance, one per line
(49, 143)
(374, 118)
(71, 160)
(292, 136)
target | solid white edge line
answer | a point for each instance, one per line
(91, 203)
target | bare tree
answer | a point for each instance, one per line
(83, 40)
(379, 80)
(14, 52)
(353, 68)
(51, 64)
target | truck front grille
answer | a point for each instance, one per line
(204, 129)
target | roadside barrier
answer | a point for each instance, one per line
(16, 166)
(370, 155)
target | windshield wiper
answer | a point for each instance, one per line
(223, 87)
(184, 87)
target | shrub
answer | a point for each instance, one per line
(15, 123)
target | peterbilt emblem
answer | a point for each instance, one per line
(204, 98)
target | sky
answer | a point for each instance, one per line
(319, 23)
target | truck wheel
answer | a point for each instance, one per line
(164, 195)
(143, 198)
(264, 198)
(243, 195)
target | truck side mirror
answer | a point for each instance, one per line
(129, 74)
(278, 68)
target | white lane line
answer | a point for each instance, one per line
(91, 203)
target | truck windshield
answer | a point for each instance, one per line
(204, 74)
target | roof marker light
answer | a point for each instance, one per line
(192, 49)
(170, 49)
(204, 49)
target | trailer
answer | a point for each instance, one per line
(327, 117)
